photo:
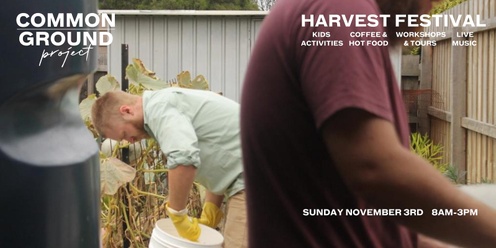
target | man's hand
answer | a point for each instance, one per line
(211, 215)
(186, 227)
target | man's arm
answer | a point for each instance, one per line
(211, 213)
(213, 198)
(180, 183)
(377, 168)
(428, 242)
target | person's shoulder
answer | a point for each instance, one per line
(154, 97)
(165, 91)
(190, 91)
(175, 89)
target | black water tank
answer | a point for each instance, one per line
(49, 167)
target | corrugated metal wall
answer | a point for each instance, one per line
(214, 45)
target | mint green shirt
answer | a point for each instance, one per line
(198, 128)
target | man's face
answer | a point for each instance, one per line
(130, 131)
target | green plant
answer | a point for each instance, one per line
(133, 195)
(423, 146)
(455, 175)
(445, 5)
(487, 181)
(415, 51)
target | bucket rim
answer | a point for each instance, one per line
(183, 241)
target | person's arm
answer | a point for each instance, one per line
(211, 213)
(213, 198)
(379, 169)
(427, 242)
(181, 181)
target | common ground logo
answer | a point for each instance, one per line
(74, 34)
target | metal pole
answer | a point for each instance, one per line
(125, 151)
(124, 63)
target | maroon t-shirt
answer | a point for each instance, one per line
(289, 91)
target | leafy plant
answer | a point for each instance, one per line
(445, 5)
(423, 146)
(487, 181)
(455, 175)
(133, 195)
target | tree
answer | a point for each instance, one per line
(179, 4)
(266, 4)
(233, 5)
(118, 4)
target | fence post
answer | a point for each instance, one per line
(458, 146)
(425, 83)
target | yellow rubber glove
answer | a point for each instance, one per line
(186, 227)
(211, 215)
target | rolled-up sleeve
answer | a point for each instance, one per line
(175, 135)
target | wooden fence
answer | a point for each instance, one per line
(462, 105)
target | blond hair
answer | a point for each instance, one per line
(105, 110)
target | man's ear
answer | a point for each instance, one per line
(125, 110)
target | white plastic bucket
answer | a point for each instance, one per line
(165, 235)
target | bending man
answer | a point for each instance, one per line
(198, 131)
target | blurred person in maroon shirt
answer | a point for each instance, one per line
(324, 127)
